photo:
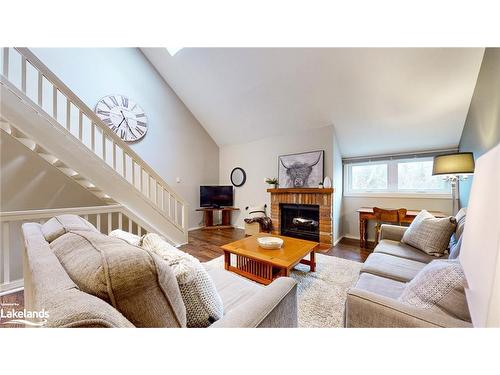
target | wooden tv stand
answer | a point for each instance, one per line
(208, 217)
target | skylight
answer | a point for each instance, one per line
(173, 50)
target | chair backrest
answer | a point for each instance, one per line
(389, 216)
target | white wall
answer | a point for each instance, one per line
(176, 145)
(350, 218)
(28, 182)
(259, 159)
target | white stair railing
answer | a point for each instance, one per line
(104, 218)
(27, 73)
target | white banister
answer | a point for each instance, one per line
(6, 252)
(47, 82)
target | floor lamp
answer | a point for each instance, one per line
(454, 167)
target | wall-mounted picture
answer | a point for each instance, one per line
(304, 170)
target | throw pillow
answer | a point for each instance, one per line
(201, 299)
(457, 235)
(136, 282)
(439, 286)
(130, 238)
(430, 234)
(455, 249)
(61, 224)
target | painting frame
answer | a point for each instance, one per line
(301, 160)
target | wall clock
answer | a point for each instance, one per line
(123, 116)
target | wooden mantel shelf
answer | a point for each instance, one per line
(301, 191)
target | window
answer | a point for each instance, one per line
(395, 177)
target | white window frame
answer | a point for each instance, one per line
(392, 182)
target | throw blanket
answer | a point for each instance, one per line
(264, 222)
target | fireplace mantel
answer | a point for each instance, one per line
(301, 191)
(322, 197)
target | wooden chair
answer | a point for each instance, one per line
(387, 216)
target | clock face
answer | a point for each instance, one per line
(123, 116)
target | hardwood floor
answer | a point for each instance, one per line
(205, 245)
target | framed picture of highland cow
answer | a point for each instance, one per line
(304, 170)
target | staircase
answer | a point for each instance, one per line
(41, 112)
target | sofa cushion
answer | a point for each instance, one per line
(61, 224)
(392, 267)
(134, 281)
(403, 250)
(439, 286)
(430, 234)
(380, 285)
(233, 289)
(201, 299)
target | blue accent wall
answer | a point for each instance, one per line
(482, 126)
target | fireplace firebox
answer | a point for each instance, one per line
(300, 221)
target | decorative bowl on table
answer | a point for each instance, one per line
(270, 242)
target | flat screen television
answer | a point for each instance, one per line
(216, 196)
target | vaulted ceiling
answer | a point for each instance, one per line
(380, 100)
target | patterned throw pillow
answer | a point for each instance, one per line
(430, 234)
(201, 299)
(439, 286)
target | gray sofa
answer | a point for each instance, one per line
(373, 301)
(48, 286)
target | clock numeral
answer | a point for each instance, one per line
(140, 131)
(135, 105)
(140, 115)
(113, 99)
(140, 123)
(125, 101)
(122, 133)
(107, 121)
(106, 104)
(114, 128)
(101, 112)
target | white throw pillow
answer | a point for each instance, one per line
(201, 299)
(439, 286)
(130, 238)
(430, 234)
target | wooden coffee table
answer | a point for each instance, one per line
(263, 265)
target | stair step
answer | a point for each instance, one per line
(69, 172)
(88, 185)
(28, 143)
(48, 157)
(5, 126)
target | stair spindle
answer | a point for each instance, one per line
(5, 68)
(80, 126)
(40, 88)
(120, 220)
(109, 222)
(23, 74)
(92, 136)
(6, 253)
(68, 114)
(54, 102)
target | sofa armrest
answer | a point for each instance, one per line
(392, 232)
(275, 306)
(367, 309)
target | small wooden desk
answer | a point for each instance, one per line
(208, 217)
(366, 213)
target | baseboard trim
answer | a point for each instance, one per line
(12, 287)
(336, 242)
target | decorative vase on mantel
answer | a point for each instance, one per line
(327, 183)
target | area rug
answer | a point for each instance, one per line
(321, 295)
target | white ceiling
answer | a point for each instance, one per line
(380, 100)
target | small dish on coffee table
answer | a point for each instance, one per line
(270, 242)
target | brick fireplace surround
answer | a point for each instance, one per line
(321, 197)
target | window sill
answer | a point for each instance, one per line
(399, 195)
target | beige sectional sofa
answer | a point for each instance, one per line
(48, 285)
(373, 301)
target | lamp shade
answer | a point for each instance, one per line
(453, 164)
